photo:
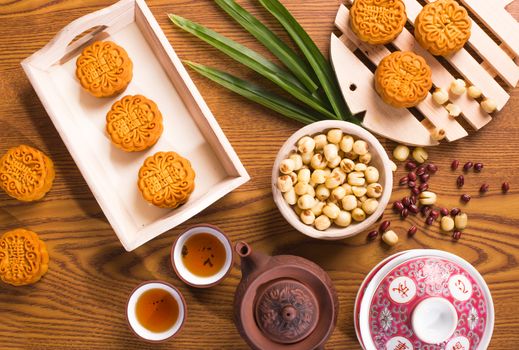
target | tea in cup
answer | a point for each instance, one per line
(156, 311)
(202, 256)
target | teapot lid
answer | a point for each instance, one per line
(287, 311)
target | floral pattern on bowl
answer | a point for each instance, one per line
(412, 282)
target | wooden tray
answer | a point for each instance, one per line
(189, 127)
(497, 60)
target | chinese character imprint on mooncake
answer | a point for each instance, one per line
(166, 179)
(443, 27)
(26, 173)
(23, 257)
(403, 79)
(134, 123)
(104, 69)
(377, 21)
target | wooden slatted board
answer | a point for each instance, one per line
(488, 64)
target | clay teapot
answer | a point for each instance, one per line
(283, 302)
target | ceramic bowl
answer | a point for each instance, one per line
(184, 274)
(379, 159)
(143, 332)
(424, 298)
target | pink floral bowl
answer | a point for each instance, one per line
(424, 299)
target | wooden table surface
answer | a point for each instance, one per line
(80, 303)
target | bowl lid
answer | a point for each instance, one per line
(426, 299)
(287, 311)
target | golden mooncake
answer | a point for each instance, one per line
(166, 179)
(104, 69)
(134, 123)
(26, 173)
(23, 257)
(403, 79)
(443, 27)
(377, 21)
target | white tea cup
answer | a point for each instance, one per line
(183, 272)
(142, 331)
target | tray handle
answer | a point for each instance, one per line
(103, 18)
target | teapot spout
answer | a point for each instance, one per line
(250, 260)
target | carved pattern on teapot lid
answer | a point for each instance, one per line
(287, 311)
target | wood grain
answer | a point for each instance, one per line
(80, 303)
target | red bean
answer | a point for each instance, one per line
(484, 188)
(413, 209)
(410, 165)
(425, 210)
(456, 235)
(505, 187)
(372, 235)
(468, 166)
(432, 168)
(465, 198)
(460, 181)
(455, 164)
(398, 206)
(384, 226)
(455, 211)
(412, 231)
(420, 170)
(425, 177)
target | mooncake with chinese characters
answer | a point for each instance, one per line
(26, 173)
(23, 257)
(166, 179)
(403, 79)
(443, 27)
(104, 69)
(377, 21)
(134, 123)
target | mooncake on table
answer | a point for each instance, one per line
(104, 69)
(166, 179)
(403, 79)
(23, 257)
(134, 123)
(26, 173)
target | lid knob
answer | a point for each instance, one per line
(434, 320)
(287, 311)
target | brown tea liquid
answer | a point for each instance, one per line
(203, 254)
(157, 310)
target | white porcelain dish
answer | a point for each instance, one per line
(379, 159)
